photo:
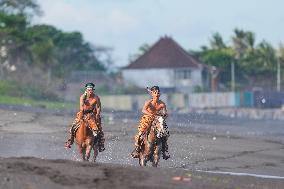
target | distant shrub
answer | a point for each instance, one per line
(14, 89)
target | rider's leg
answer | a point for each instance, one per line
(70, 141)
(72, 130)
(144, 124)
(165, 148)
(136, 150)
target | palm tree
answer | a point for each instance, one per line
(249, 41)
(239, 43)
(217, 41)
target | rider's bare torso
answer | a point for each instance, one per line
(154, 107)
(88, 103)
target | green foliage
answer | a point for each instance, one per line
(14, 89)
(21, 7)
(37, 103)
(61, 51)
(251, 60)
(198, 89)
(141, 50)
(42, 45)
(217, 41)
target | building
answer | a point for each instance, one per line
(169, 66)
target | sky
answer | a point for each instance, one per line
(125, 25)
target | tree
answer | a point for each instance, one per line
(255, 64)
(67, 50)
(239, 43)
(141, 50)
(26, 8)
(220, 58)
(217, 41)
(13, 39)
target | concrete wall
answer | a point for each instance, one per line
(175, 101)
(117, 102)
(213, 100)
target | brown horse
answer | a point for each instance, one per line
(86, 140)
(151, 142)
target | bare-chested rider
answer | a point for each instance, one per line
(151, 108)
(90, 111)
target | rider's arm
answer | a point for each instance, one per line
(145, 108)
(81, 106)
(164, 110)
(82, 103)
(98, 107)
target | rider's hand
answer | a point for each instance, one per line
(81, 115)
(97, 116)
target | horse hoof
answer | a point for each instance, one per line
(166, 157)
(67, 146)
(134, 156)
(101, 149)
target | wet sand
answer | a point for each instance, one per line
(196, 145)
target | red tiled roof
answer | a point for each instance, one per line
(165, 53)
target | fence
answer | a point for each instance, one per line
(178, 101)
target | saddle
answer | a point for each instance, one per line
(77, 126)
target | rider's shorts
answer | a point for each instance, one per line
(145, 122)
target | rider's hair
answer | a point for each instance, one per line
(155, 88)
(90, 85)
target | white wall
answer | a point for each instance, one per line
(160, 77)
(187, 85)
(149, 77)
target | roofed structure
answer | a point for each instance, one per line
(165, 53)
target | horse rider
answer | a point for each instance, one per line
(90, 110)
(151, 108)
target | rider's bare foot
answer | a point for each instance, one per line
(68, 144)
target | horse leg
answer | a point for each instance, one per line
(95, 152)
(89, 145)
(156, 155)
(142, 161)
(95, 148)
(82, 151)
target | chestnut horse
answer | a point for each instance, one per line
(151, 142)
(86, 140)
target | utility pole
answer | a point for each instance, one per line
(278, 75)
(233, 76)
(214, 74)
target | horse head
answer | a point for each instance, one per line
(161, 127)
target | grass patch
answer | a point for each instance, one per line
(38, 103)
(15, 89)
